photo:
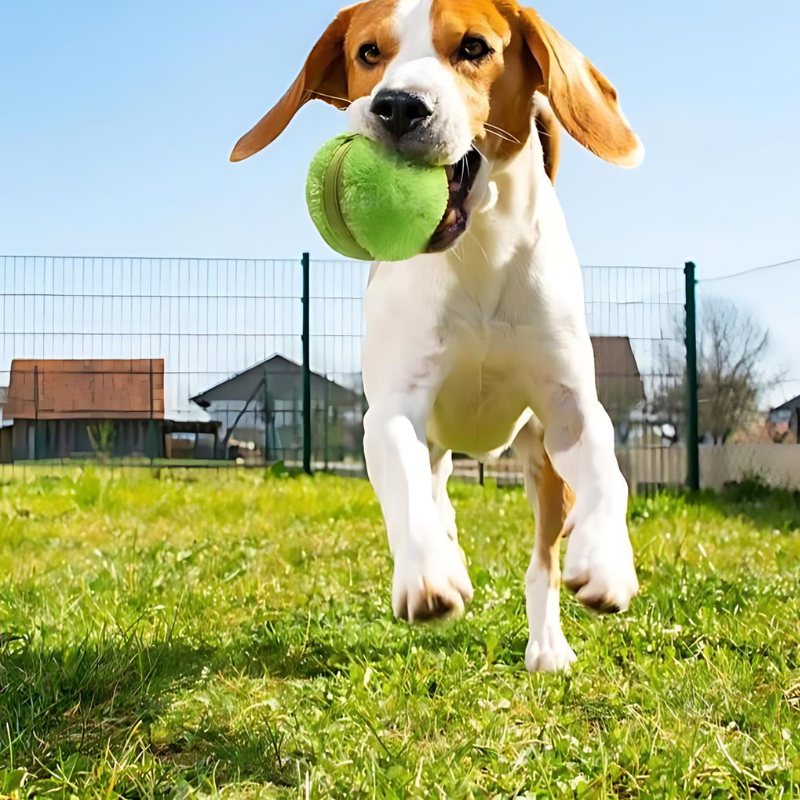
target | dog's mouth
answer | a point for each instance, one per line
(461, 177)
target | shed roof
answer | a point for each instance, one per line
(284, 382)
(789, 405)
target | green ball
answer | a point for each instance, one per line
(372, 203)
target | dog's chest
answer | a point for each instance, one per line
(480, 404)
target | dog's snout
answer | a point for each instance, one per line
(400, 112)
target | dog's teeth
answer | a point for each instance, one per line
(451, 218)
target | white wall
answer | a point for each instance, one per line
(775, 464)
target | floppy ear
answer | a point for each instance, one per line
(583, 99)
(323, 76)
(549, 134)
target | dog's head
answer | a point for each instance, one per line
(432, 78)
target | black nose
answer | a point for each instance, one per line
(400, 112)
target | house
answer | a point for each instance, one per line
(619, 382)
(62, 408)
(261, 410)
(784, 422)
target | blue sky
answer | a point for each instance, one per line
(118, 119)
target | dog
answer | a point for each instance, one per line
(482, 342)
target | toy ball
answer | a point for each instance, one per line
(371, 203)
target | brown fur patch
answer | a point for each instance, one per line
(550, 137)
(555, 503)
(583, 99)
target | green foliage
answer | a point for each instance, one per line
(231, 636)
(88, 488)
(103, 436)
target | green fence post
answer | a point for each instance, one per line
(265, 454)
(326, 404)
(306, 363)
(693, 436)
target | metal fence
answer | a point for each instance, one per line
(202, 362)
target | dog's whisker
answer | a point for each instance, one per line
(500, 136)
(499, 130)
(477, 150)
(330, 96)
(478, 242)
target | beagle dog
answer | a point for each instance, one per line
(482, 342)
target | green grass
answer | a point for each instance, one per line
(207, 635)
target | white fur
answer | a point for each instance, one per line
(417, 68)
(463, 350)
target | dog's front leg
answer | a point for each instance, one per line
(579, 438)
(405, 362)
(430, 577)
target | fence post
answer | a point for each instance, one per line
(36, 434)
(265, 454)
(307, 363)
(325, 420)
(693, 436)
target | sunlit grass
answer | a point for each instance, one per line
(223, 634)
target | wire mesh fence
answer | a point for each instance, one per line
(635, 317)
(199, 362)
(738, 441)
(336, 330)
(145, 358)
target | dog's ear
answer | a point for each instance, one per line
(582, 98)
(549, 134)
(324, 76)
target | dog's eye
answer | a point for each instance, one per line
(369, 54)
(473, 49)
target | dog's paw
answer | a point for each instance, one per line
(431, 583)
(599, 567)
(549, 652)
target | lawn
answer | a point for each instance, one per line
(230, 635)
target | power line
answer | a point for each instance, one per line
(748, 271)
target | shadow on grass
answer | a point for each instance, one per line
(95, 696)
(767, 508)
(92, 697)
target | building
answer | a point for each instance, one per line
(73, 408)
(784, 422)
(261, 410)
(619, 382)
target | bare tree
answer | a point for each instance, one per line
(732, 377)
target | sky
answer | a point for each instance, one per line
(117, 120)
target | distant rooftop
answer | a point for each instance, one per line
(85, 389)
(284, 382)
(789, 405)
